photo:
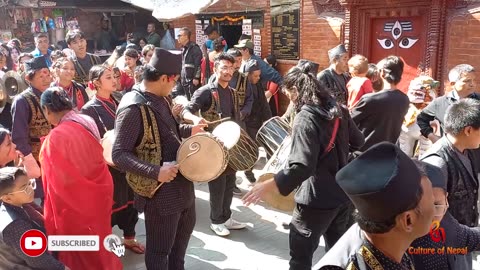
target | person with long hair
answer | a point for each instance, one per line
(78, 186)
(14, 53)
(64, 72)
(102, 108)
(5, 49)
(323, 134)
(127, 79)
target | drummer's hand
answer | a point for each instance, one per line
(198, 129)
(259, 191)
(167, 173)
(177, 109)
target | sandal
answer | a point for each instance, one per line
(134, 246)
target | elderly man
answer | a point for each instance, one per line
(336, 77)
(29, 124)
(191, 61)
(462, 80)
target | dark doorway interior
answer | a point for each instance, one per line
(231, 34)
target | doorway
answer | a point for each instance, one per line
(231, 34)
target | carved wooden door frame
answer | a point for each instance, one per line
(358, 15)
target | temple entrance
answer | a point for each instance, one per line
(231, 34)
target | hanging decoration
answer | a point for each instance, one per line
(228, 18)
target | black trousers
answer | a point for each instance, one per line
(308, 225)
(221, 194)
(167, 238)
(252, 132)
(126, 219)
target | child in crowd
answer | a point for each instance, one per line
(16, 217)
(359, 85)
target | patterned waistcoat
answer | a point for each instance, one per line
(149, 149)
(38, 126)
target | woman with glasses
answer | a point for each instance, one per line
(78, 186)
(446, 234)
(17, 216)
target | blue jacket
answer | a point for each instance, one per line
(37, 53)
(269, 74)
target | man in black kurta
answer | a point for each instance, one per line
(215, 101)
(260, 109)
(170, 211)
(336, 76)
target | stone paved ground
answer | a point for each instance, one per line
(263, 245)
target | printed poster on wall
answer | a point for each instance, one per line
(247, 27)
(257, 42)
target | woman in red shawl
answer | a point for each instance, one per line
(78, 186)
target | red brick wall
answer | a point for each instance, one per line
(317, 35)
(462, 44)
(188, 21)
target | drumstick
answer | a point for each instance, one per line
(220, 120)
(194, 147)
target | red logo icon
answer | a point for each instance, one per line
(33, 243)
(437, 233)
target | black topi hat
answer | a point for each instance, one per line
(35, 64)
(167, 62)
(382, 182)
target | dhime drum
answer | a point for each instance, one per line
(243, 151)
(276, 163)
(272, 133)
(202, 158)
(107, 144)
(279, 160)
(277, 200)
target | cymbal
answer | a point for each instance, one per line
(277, 200)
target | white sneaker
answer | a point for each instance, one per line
(220, 229)
(232, 224)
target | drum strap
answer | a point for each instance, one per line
(331, 143)
(216, 99)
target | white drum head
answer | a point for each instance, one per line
(228, 132)
(107, 144)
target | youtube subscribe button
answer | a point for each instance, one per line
(73, 243)
(33, 243)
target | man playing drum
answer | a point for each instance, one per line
(147, 137)
(216, 101)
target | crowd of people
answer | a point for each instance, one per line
(371, 167)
